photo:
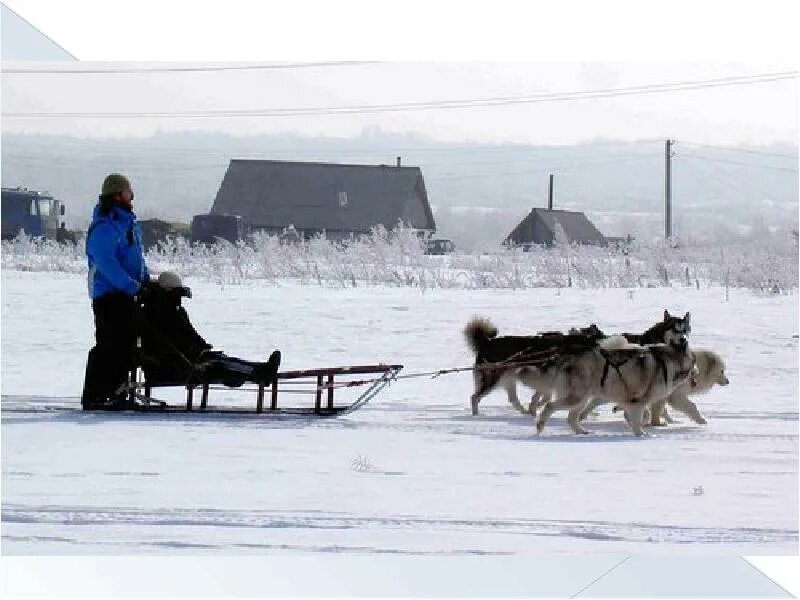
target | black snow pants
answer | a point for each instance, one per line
(116, 322)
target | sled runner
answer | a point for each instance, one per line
(319, 384)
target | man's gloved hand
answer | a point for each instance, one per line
(147, 290)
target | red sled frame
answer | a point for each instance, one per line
(322, 380)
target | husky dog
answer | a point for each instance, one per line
(668, 331)
(631, 376)
(710, 370)
(497, 358)
(671, 330)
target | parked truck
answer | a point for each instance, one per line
(36, 213)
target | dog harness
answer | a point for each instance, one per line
(656, 354)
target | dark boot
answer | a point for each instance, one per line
(267, 372)
(94, 384)
(94, 404)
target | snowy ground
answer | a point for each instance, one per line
(413, 472)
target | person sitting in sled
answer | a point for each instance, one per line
(174, 353)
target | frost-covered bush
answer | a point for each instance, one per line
(25, 253)
(397, 258)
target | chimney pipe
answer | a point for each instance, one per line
(550, 194)
(398, 161)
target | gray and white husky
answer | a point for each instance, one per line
(670, 330)
(631, 376)
(710, 370)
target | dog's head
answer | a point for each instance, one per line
(676, 329)
(718, 370)
(712, 368)
(680, 325)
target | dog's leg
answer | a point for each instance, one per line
(574, 418)
(574, 405)
(537, 401)
(683, 404)
(635, 412)
(484, 383)
(510, 384)
(480, 391)
(591, 406)
(476, 398)
(667, 418)
(656, 410)
(548, 409)
(534, 404)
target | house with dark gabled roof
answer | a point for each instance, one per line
(541, 224)
(310, 198)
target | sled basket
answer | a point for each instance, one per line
(319, 383)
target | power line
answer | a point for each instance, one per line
(429, 105)
(130, 145)
(715, 173)
(131, 70)
(748, 151)
(551, 168)
(530, 160)
(736, 162)
(161, 165)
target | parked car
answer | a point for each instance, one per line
(440, 246)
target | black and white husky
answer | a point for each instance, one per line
(498, 358)
(670, 330)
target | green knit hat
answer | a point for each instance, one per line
(114, 184)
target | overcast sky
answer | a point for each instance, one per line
(758, 114)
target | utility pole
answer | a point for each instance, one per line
(550, 194)
(668, 189)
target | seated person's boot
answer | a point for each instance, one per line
(267, 372)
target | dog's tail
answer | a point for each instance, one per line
(478, 332)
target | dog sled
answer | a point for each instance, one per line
(171, 353)
(317, 386)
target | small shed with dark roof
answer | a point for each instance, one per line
(335, 198)
(541, 224)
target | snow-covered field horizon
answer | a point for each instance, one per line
(767, 263)
(412, 472)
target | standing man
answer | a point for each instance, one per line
(117, 273)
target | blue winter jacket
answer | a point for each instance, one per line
(114, 251)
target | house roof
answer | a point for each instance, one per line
(268, 193)
(576, 225)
